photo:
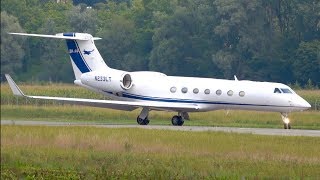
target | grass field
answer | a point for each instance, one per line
(90, 153)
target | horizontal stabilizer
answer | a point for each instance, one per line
(83, 36)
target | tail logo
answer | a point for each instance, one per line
(88, 52)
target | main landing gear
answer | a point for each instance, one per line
(286, 121)
(144, 121)
(176, 120)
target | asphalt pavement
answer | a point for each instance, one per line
(260, 131)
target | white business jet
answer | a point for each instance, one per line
(157, 91)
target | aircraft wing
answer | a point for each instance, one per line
(119, 105)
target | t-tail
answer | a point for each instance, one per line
(84, 55)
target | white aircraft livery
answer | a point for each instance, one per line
(156, 91)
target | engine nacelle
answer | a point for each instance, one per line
(116, 82)
(126, 81)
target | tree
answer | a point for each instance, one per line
(83, 20)
(180, 46)
(116, 43)
(307, 62)
(254, 39)
(54, 64)
(12, 51)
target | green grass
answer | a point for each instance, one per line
(89, 152)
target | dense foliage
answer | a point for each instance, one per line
(275, 40)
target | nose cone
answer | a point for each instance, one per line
(306, 104)
(303, 104)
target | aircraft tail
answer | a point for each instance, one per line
(83, 53)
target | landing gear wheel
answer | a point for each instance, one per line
(143, 121)
(177, 121)
(287, 126)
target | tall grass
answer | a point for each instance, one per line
(58, 90)
(88, 152)
(312, 96)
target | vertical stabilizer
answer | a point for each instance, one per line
(84, 55)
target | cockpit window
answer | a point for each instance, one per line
(284, 90)
(277, 90)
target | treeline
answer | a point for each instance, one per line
(277, 40)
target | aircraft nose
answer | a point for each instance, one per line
(303, 103)
(306, 104)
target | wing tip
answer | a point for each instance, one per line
(14, 87)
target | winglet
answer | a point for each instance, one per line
(235, 78)
(15, 89)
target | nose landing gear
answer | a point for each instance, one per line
(286, 121)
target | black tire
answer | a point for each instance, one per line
(177, 121)
(146, 121)
(139, 121)
(181, 121)
(143, 121)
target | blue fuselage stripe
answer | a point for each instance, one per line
(189, 101)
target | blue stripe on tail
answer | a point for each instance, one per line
(71, 34)
(82, 55)
(76, 55)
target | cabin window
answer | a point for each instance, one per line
(184, 90)
(173, 89)
(242, 93)
(276, 90)
(195, 90)
(207, 91)
(230, 93)
(218, 92)
(287, 91)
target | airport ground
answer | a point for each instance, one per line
(77, 152)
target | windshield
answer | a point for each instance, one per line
(284, 90)
(277, 90)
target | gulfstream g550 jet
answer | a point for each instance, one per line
(157, 91)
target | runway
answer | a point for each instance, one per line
(260, 131)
